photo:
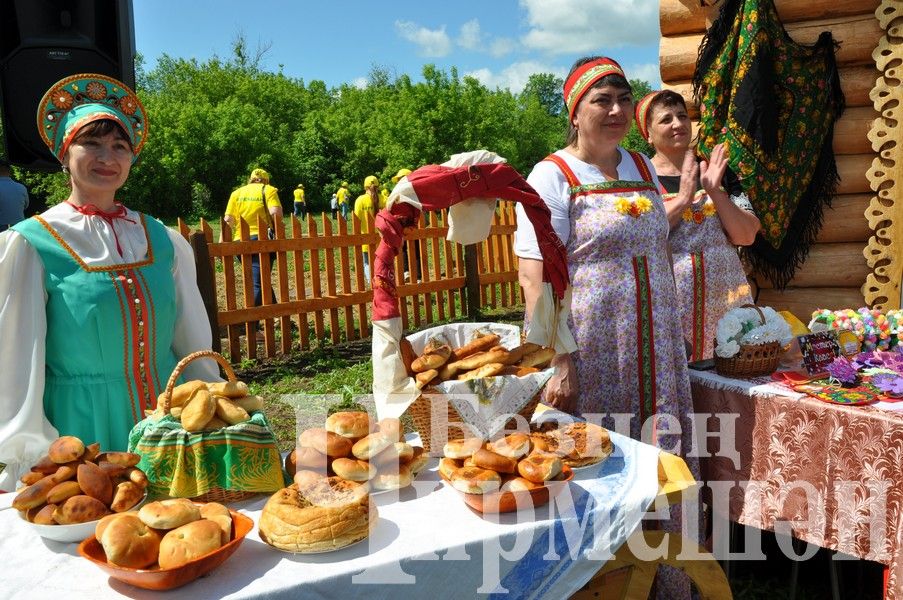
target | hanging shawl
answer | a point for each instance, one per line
(774, 102)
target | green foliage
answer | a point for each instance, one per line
(212, 122)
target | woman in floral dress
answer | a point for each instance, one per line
(705, 228)
(607, 210)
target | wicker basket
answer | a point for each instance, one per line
(421, 413)
(215, 494)
(752, 360)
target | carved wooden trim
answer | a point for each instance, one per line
(884, 252)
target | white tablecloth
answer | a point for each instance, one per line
(426, 544)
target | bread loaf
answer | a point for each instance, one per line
(128, 542)
(328, 515)
(325, 442)
(540, 358)
(169, 514)
(198, 411)
(350, 424)
(480, 344)
(229, 389)
(186, 543)
(435, 359)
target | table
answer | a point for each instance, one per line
(834, 473)
(427, 544)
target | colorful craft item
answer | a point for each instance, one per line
(873, 328)
(856, 396)
(843, 371)
(890, 384)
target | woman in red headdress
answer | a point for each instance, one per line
(706, 228)
(630, 364)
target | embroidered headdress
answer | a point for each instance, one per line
(77, 100)
(641, 111)
(583, 78)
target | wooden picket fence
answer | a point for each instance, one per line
(319, 285)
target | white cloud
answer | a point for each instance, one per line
(360, 82)
(470, 36)
(646, 72)
(432, 42)
(515, 76)
(501, 46)
(584, 26)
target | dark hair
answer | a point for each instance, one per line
(614, 80)
(666, 99)
(103, 127)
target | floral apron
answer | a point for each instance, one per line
(710, 279)
(631, 356)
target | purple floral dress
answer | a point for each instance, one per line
(631, 356)
(710, 279)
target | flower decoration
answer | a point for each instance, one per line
(742, 326)
(128, 104)
(96, 90)
(843, 371)
(698, 214)
(635, 207)
(890, 384)
(62, 99)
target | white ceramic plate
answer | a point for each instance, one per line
(69, 533)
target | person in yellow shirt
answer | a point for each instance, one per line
(256, 199)
(383, 196)
(365, 208)
(300, 204)
(342, 196)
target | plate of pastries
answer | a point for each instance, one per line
(479, 358)
(504, 475)
(166, 543)
(74, 485)
(579, 444)
(354, 448)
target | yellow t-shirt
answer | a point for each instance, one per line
(342, 195)
(247, 203)
(383, 197)
(363, 207)
(299, 196)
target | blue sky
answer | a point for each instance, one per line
(500, 42)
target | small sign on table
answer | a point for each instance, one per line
(819, 350)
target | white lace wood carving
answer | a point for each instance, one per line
(884, 252)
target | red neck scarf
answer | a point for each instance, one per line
(118, 212)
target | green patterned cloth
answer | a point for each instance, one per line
(774, 103)
(179, 464)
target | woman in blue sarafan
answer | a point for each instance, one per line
(97, 301)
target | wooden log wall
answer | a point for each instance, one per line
(836, 270)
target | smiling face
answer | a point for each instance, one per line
(669, 127)
(604, 114)
(99, 163)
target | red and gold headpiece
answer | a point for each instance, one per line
(584, 77)
(641, 111)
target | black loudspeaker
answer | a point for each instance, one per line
(43, 41)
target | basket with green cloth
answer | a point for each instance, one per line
(222, 465)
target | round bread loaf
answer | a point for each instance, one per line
(513, 446)
(487, 459)
(213, 508)
(325, 442)
(186, 543)
(169, 514)
(419, 459)
(198, 411)
(327, 515)
(539, 467)
(447, 466)
(66, 449)
(128, 542)
(462, 448)
(102, 524)
(392, 428)
(519, 484)
(309, 459)
(306, 477)
(589, 443)
(392, 479)
(225, 527)
(353, 469)
(349, 424)
(371, 445)
(229, 389)
(474, 480)
(397, 453)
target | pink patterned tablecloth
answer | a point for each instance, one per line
(833, 472)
